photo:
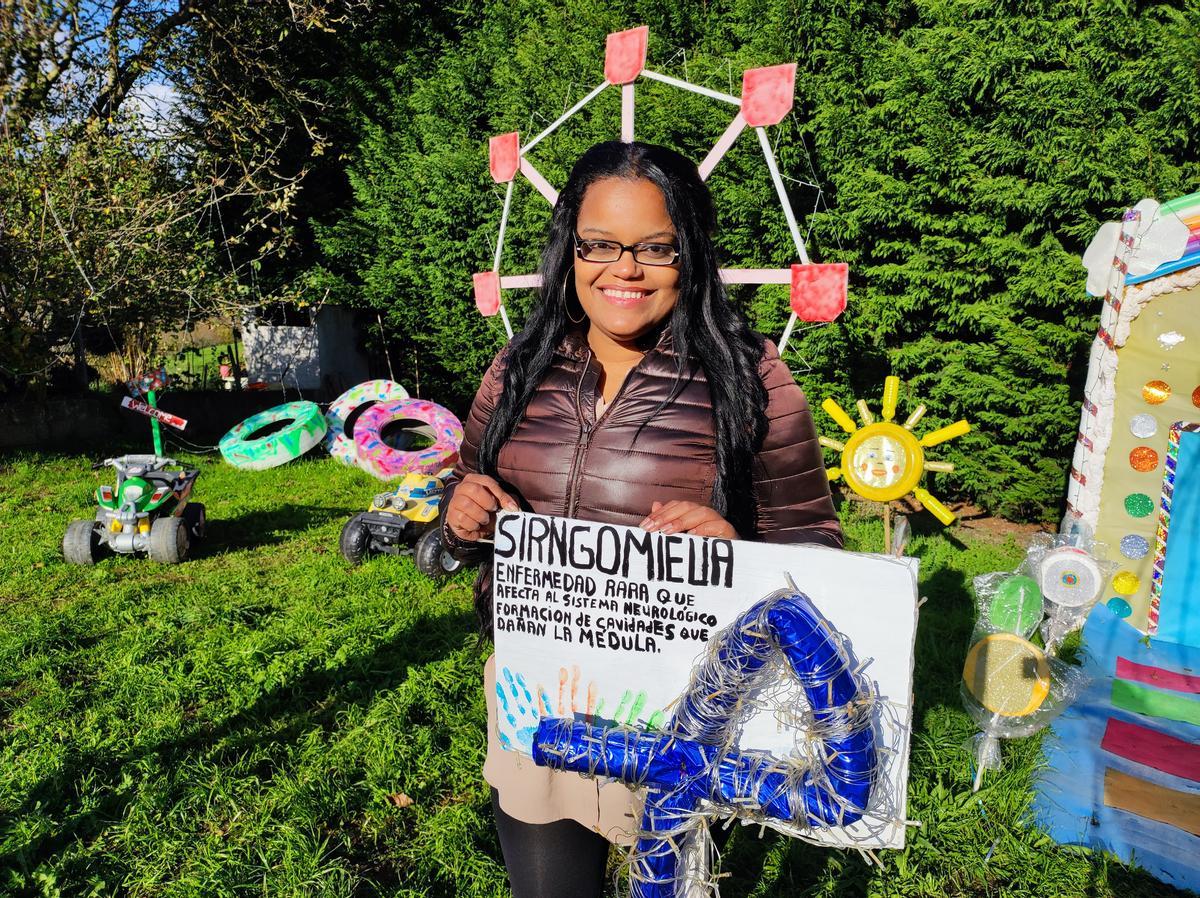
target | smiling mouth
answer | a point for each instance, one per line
(624, 297)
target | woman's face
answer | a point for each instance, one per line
(625, 299)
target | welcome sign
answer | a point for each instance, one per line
(605, 623)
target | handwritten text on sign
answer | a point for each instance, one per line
(607, 587)
(605, 623)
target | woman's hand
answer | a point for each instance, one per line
(687, 517)
(471, 514)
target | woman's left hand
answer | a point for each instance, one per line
(687, 517)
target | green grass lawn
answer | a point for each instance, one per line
(246, 723)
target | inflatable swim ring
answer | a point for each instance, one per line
(380, 460)
(337, 441)
(306, 428)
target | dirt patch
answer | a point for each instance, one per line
(970, 518)
(979, 521)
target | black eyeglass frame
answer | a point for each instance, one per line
(634, 249)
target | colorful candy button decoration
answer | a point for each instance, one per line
(1017, 605)
(1143, 459)
(1143, 426)
(1138, 505)
(1126, 583)
(1156, 392)
(1134, 546)
(1007, 675)
(1119, 606)
(1196, 397)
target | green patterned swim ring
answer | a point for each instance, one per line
(305, 428)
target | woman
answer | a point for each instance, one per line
(635, 395)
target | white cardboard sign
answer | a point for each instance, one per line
(605, 623)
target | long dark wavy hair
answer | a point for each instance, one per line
(705, 329)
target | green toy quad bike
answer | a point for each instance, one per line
(147, 511)
(401, 522)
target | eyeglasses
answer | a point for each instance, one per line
(611, 251)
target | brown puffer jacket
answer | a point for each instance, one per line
(562, 461)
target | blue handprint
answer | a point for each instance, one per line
(515, 702)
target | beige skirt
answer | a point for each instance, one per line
(535, 794)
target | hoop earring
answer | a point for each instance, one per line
(566, 308)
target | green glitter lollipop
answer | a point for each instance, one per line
(1017, 605)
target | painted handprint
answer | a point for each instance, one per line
(515, 702)
(629, 708)
(629, 711)
(571, 706)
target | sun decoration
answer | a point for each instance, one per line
(882, 460)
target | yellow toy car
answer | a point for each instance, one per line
(401, 522)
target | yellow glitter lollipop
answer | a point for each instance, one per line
(1006, 674)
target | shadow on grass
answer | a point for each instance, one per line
(943, 632)
(776, 866)
(1110, 877)
(310, 701)
(266, 527)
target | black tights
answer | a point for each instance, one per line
(563, 859)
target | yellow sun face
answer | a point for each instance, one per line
(882, 460)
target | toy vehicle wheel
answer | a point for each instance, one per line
(196, 519)
(81, 544)
(431, 556)
(355, 541)
(169, 540)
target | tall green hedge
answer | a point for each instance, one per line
(965, 152)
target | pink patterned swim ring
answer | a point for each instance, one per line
(379, 459)
(339, 443)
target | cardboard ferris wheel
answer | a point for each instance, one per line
(818, 291)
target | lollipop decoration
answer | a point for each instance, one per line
(883, 460)
(1017, 605)
(1071, 572)
(1011, 687)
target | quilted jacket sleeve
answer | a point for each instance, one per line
(790, 483)
(468, 456)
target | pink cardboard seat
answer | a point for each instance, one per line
(625, 55)
(487, 292)
(767, 94)
(504, 156)
(819, 290)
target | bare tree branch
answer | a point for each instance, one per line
(127, 72)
